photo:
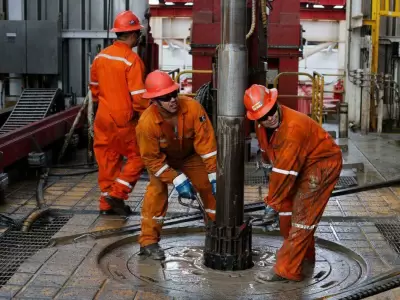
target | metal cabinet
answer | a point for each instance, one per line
(13, 47)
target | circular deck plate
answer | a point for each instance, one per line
(183, 274)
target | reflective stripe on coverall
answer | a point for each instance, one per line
(117, 84)
(191, 149)
(306, 167)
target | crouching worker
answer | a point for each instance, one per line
(178, 146)
(306, 164)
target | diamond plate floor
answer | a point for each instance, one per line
(71, 272)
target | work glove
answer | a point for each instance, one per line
(270, 218)
(212, 177)
(267, 168)
(184, 187)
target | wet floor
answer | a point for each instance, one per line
(71, 271)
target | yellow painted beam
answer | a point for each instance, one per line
(376, 5)
(393, 14)
(369, 22)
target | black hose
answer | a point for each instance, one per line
(76, 173)
(73, 166)
(40, 202)
(369, 289)
(364, 188)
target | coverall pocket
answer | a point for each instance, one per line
(121, 118)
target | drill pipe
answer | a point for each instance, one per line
(232, 80)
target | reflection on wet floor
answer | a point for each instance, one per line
(349, 220)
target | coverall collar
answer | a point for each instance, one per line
(121, 44)
(183, 109)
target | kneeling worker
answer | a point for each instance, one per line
(306, 164)
(178, 146)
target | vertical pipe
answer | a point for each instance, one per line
(366, 90)
(343, 120)
(232, 81)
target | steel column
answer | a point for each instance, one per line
(228, 242)
(232, 80)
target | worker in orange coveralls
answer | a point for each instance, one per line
(117, 85)
(306, 164)
(178, 146)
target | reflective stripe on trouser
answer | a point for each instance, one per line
(285, 217)
(155, 202)
(314, 188)
(103, 205)
(109, 149)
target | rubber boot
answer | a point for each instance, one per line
(111, 212)
(153, 251)
(118, 206)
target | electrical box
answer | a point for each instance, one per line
(43, 44)
(30, 47)
(12, 47)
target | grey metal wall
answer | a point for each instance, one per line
(81, 17)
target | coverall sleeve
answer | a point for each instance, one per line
(285, 170)
(94, 83)
(153, 158)
(136, 88)
(205, 143)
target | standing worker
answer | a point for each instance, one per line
(178, 146)
(117, 76)
(306, 164)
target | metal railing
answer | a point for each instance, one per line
(177, 77)
(317, 94)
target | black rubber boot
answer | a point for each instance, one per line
(111, 212)
(118, 206)
(153, 251)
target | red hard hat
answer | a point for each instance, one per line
(126, 21)
(259, 100)
(159, 83)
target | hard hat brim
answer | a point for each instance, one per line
(127, 29)
(166, 91)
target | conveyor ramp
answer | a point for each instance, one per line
(32, 106)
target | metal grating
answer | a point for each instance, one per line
(345, 182)
(32, 106)
(17, 246)
(252, 176)
(255, 178)
(391, 232)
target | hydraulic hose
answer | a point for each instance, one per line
(71, 131)
(75, 174)
(33, 217)
(253, 19)
(75, 166)
(264, 16)
(40, 202)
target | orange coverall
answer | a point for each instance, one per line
(306, 167)
(117, 84)
(190, 148)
